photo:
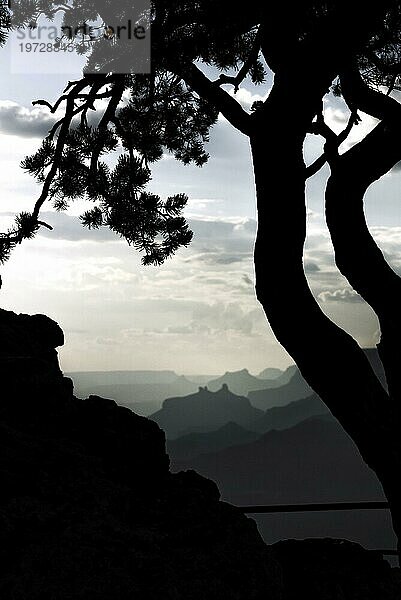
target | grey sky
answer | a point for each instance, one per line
(198, 312)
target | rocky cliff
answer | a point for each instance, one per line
(89, 509)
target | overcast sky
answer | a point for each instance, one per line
(198, 312)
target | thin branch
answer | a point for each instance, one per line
(333, 142)
(109, 114)
(243, 72)
(84, 107)
(115, 93)
(65, 127)
(394, 69)
(70, 84)
(43, 103)
(120, 130)
(43, 224)
(392, 84)
(54, 108)
(315, 167)
(91, 97)
(358, 95)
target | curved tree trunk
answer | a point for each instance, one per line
(362, 262)
(357, 256)
(329, 359)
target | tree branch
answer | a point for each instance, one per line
(53, 108)
(357, 255)
(333, 142)
(243, 72)
(221, 100)
(64, 125)
(360, 96)
(109, 114)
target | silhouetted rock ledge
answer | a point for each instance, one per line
(28, 353)
(90, 511)
(88, 507)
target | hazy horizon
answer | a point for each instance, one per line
(200, 374)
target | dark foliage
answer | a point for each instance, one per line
(170, 110)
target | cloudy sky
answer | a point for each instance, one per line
(198, 312)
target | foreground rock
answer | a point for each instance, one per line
(335, 570)
(88, 508)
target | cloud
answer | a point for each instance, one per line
(312, 214)
(246, 98)
(198, 311)
(389, 237)
(180, 330)
(102, 341)
(218, 318)
(219, 258)
(216, 240)
(224, 228)
(337, 114)
(201, 204)
(36, 122)
(65, 228)
(25, 122)
(342, 295)
(69, 228)
(311, 267)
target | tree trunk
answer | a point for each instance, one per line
(357, 256)
(329, 359)
(363, 263)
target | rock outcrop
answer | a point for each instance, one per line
(28, 355)
(90, 511)
(88, 507)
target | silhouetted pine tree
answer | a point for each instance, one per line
(311, 47)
